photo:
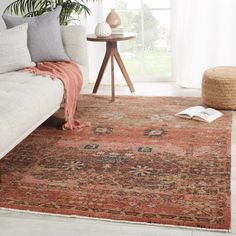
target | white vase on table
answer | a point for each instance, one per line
(103, 30)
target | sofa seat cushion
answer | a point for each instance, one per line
(26, 101)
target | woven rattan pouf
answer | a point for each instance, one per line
(219, 87)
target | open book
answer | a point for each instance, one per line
(200, 113)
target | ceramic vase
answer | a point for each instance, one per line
(103, 30)
(113, 19)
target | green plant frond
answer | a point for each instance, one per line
(70, 7)
(31, 14)
(85, 9)
(29, 8)
(84, 1)
(23, 7)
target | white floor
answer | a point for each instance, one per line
(26, 224)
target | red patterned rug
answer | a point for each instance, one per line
(136, 162)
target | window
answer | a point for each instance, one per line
(148, 57)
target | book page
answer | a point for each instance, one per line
(190, 112)
(208, 115)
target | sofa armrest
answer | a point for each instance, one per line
(75, 43)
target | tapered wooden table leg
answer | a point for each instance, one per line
(123, 69)
(102, 69)
(112, 52)
(112, 77)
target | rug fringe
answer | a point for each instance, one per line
(116, 221)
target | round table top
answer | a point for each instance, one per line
(111, 38)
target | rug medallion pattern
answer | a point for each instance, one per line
(136, 162)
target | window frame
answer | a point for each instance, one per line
(143, 77)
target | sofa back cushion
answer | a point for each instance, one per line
(14, 53)
(75, 43)
(44, 35)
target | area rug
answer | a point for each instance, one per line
(135, 162)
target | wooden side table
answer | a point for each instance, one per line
(112, 52)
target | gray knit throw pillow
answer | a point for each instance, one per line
(44, 35)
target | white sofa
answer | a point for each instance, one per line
(26, 100)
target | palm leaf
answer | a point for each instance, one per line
(29, 8)
(22, 7)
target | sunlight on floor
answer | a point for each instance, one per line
(146, 89)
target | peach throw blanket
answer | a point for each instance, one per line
(69, 73)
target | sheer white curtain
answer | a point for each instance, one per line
(203, 35)
(100, 9)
